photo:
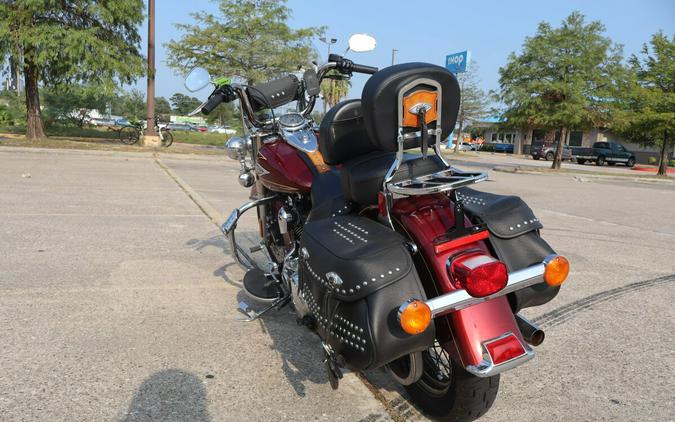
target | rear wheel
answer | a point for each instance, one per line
(600, 161)
(129, 135)
(449, 393)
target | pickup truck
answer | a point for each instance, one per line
(604, 152)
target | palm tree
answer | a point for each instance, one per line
(333, 90)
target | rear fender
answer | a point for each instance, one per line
(462, 333)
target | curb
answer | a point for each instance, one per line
(589, 175)
(216, 217)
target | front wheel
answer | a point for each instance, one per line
(600, 161)
(448, 392)
(167, 138)
(580, 161)
(630, 162)
(549, 156)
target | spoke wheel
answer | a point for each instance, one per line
(129, 135)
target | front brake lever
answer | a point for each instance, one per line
(198, 109)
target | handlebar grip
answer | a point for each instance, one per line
(213, 102)
(362, 68)
(274, 93)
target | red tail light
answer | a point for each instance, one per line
(479, 274)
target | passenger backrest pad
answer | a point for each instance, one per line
(407, 87)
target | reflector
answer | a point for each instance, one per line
(504, 349)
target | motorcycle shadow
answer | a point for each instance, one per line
(298, 348)
(169, 395)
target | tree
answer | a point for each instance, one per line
(473, 103)
(162, 108)
(565, 78)
(83, 40)
(183, 104)
(647, 107)
(333, 89)
(74, 103)
(249, 40)
(131, 105)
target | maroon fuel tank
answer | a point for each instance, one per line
(282, 168)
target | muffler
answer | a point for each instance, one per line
(531, 333)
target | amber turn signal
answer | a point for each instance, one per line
(557, 268)
(414, 316)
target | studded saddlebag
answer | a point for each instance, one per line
(355, 274)
(514, 237)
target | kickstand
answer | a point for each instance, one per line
(332, 367)
(253, 315)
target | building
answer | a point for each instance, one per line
(522, 140)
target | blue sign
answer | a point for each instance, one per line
(458, 62)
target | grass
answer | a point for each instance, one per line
(546, 170)
(106, 134)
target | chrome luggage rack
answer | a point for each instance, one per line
(442, 181)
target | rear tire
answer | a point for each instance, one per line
(129, 135)
(600, 161)
(449, 393)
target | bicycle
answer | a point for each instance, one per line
(131, 134)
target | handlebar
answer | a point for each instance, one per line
(280, 91)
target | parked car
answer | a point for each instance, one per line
(503, 147)
(122, 122)
(227, 130)
(201, 129)
(101, 122)
(179, 127)
(546, 150)
(604, 152)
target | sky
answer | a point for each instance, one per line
(428, 31)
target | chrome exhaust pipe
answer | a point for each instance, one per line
(531, 333)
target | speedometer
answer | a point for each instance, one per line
(292, 121)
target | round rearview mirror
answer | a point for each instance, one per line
(362, 42)
(197, 79)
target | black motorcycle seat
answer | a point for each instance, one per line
(327, 198)
(362, 177)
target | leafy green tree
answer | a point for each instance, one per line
(131, 105)
(474, 102)
(72, 104)
(70, 40)
(565, 78)
(225, 115)
(249, 40)
(647, 107)
(183, 104)
(162, 108)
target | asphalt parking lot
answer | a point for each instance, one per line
(118, 301)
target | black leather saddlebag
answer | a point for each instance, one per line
(514, 237)
(355, 274)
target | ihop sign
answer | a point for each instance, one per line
(458, 62)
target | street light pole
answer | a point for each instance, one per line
(393, 54)
(151, 69)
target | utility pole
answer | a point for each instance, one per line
(151, 132)
(329, 42)
(393, 55)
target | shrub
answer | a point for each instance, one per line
(487, 148)
(671, 163)
(651, 160)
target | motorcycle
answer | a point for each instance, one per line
(378, 244)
